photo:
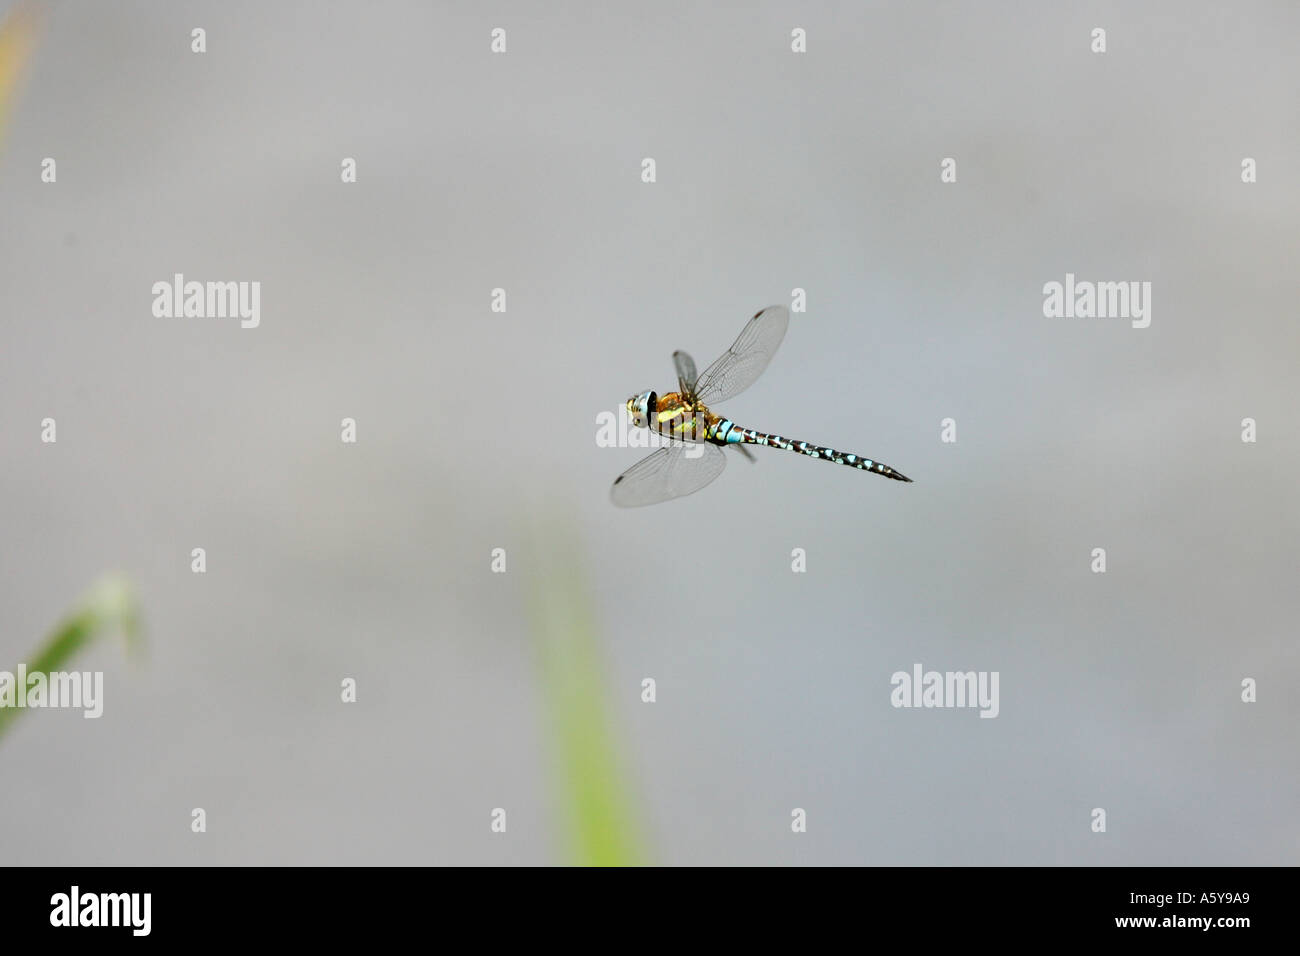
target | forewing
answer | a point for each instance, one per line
(670, 472)
(685, 374)
(744, 362)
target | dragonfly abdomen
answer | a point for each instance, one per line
(735, 434)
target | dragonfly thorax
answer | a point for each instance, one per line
(671, 415)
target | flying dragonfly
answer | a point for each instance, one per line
(695, 458)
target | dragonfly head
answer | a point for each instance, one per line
(641, 407)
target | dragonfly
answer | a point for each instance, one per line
(694, 456)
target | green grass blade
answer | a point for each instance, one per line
(110, 606)
(601, 821)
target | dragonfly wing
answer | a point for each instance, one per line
(685, 374)
(669, 473)
(744, 362)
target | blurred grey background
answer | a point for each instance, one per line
(477, 429)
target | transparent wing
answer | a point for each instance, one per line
(685, 374)
(669, 473)
(747, 357)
